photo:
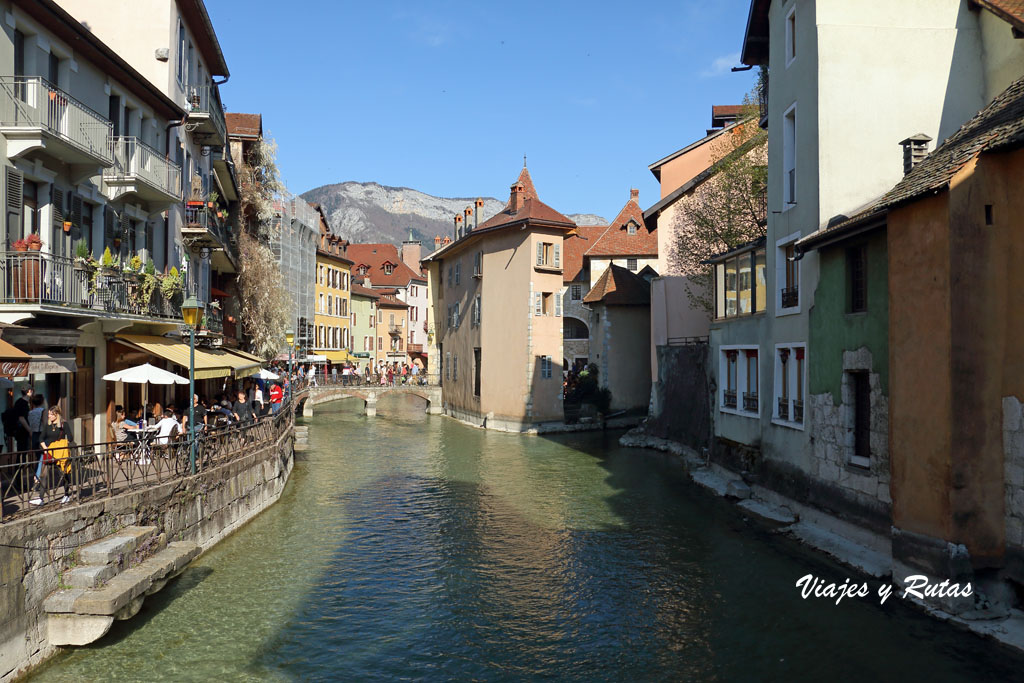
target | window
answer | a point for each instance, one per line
(458, 272)
(455, 314)
(181, 52)
(478, 264)
(330, 305)
(455, 367)
(856, 279)
(450, 270)
(391, 321)
(791, 36)
(741, 284)
(860, 417)
(476, 310)
(631, 264)
(573, 329)
(545, 304)
(380, 343)
(388, 269)
(476, 372)
(631, 228)
(447, 365)
(576, 292)
(790, 295)
(789, 385)
(789, 158)
(320, 307)
(739, 379)
(538, 304)
(549, 255)
(545, 367)
(558, 305)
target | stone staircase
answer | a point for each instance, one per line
(112, 578)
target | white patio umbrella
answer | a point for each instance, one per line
(266, 374)
(145, 375)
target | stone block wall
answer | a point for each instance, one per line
(1013, 464)
(833, 438)
(203, 509)
(682, 396)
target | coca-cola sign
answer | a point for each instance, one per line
(13, 368)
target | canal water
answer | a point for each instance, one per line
(412, 547)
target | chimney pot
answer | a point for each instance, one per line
(634, 194)
(915, 149)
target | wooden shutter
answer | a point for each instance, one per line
(538, 304)
(558, 303)
(76, 210)
(540, 253)
(558, 255)
(14, 187)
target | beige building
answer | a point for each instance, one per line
(498, 310)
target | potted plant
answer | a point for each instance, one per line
(135, 264)
(34, 242)
(20, 245)
(172, 284)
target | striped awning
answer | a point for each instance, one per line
(208, 364)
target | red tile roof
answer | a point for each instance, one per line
(617, 286)
(248, 125)
(374, 256)
(533, 208)
(726, 110)
(574, 246)
(1010, 11)
(616, 240)
(364, 291)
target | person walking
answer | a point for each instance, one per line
(56, 441)
(276, 397)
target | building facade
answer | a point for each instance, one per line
(332, 319)
(498, 309)
(364, 325)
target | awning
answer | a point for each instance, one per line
(51, 363)
(241, 366)
(13, 361)
(208, 365)
(251, 356)
(219, 292)
(338, 356)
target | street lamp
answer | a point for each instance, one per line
(191, 309)
(289, 336)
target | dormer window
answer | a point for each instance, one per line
(388, 269)
(362, 270)
(631, 228)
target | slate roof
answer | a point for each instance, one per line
(573, 248)
(244, 125)
(1000, 125)
(616, 240)
(374, 257)
(617, 286)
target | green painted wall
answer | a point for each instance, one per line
(362, 307)
(834, 330)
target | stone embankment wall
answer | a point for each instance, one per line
(681, 409)
(204, 509)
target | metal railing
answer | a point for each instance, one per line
(729, 398)
(135, 159)
(36, 277)
(749, 402)
(205, 217)
(34, 102)
(783, 408)
(205, 99)
(90, 472)
(395, 329)
(798, 410)
(213, 320)
(374, 380)
(686, 341)
(790, 297)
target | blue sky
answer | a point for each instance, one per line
(447, 97)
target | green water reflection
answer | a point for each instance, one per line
(409, 546)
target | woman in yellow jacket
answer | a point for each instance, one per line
(57, 454)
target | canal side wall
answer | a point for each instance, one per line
(203, 509)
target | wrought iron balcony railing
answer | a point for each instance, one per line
(35, 277)
(790, 297)
(32, 103)
(203, 105)
(798, 411)
(135, 161)
(729, 398)
(749, 402)
(783, 408)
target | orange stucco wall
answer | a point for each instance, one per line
(954, 354)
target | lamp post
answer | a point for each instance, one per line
(191, 309)
(289, 336)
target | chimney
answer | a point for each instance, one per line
(447, 240)
(516, 198)
(476, 216)
(411, 252)
(437, 241)
(458, 226)
(468, 212)
(915, 149)
(634, 195)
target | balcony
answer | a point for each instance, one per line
(36, 115)
(729, 398)
(58, 284)
(749, 402)
(790, 297)
(204, 229)
(396, 329)
(783, 408)
(206, 115)
(141, 170)
(415, 348)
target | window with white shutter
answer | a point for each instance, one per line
(558, 304)
(540, 253)
(538, 304)
(558, 255)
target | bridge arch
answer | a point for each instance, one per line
(370, 395)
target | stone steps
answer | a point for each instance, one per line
(106, 586)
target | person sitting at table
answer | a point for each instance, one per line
(120, 426)
(166, 428)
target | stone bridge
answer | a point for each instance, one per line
(311, 396)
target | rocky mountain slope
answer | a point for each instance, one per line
(370, 212)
